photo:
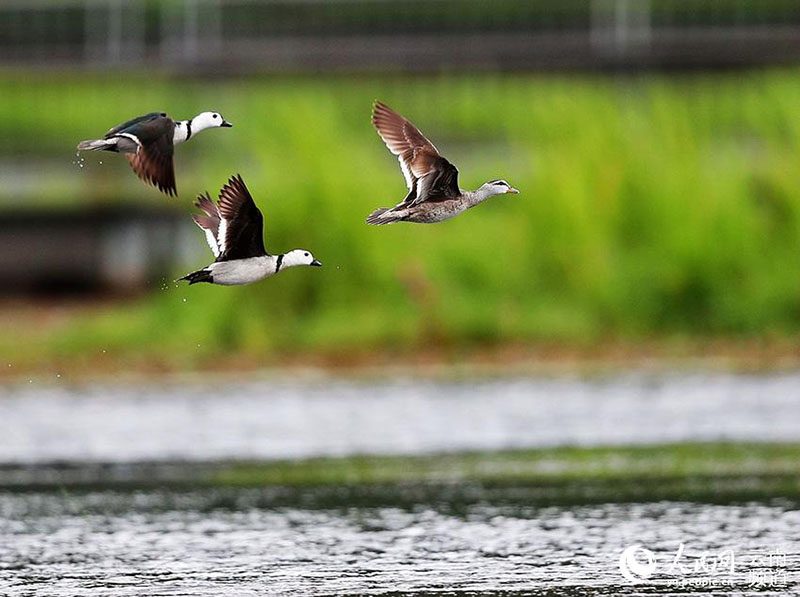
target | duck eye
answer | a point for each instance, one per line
(216, 115)
(305, 254)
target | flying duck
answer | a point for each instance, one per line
(433, 191)
(234, 231)
(148, 142)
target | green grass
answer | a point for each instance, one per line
(715, 473)
(701, 472)
(651, 207)
(578, 464)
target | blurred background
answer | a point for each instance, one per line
(507, 399)
(655, 143)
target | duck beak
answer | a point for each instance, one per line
(226, 124)
(316, 263)
(512, 190)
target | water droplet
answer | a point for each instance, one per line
(78, 161)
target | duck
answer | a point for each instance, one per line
(234, 230)
(148, 142)
(433, 191)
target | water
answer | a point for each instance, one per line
(282, 419)
(451, 539)
(158, 544)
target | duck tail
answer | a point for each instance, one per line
(98, 145)
(201, 275)
(382, 216)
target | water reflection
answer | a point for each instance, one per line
(290, 419)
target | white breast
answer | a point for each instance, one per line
(179, 134)
(242, 271)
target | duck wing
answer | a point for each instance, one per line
(209, 223)
(131, 126)
(152, 161)
(241, 228)
(429, 176)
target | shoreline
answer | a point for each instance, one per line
(715, 472)
(757, 356)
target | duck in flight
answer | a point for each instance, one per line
(234, 231)
(148, 142)
(433, 191)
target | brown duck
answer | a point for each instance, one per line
(433, 191)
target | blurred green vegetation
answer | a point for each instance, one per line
(699, 472)
(652, 206)
(536, 466)
(695, 472)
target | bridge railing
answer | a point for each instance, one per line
(280, 35)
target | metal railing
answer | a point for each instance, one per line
(277, 35)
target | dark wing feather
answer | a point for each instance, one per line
(243, 225)
(153, 161)
(130, 125)
(440, 184)
(429, 176)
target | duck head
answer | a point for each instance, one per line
(497, 187)
(299, 257)
(207, 120)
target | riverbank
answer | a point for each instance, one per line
(496, 361)
(702, 472)
(33, 351)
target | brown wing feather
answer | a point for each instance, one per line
(397, 132)
(419, 158)
(414, 150)
(210, 221)
(153, 164)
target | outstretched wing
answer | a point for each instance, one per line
(153, 160)
(133, 124)
(241, 229)
(429, 176)
(209, 222)
(154, 166)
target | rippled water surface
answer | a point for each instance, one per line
(278, 419)
(154, 544)
(452, 539)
